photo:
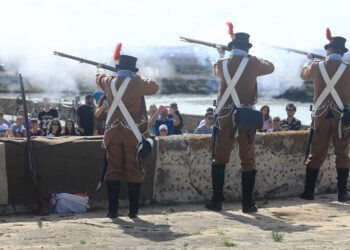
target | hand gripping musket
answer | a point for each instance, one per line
(43, 204)
(213, 45)
(82, 60)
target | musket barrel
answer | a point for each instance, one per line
(209, 44)
(83, 60)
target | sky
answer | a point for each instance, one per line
(31, 30)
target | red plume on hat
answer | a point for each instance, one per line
(117, 50)
(329, 35)
(230, 28)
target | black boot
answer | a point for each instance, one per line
(113, 189)
(343, 174)
(248, 182)
(134, 197)
(311, 177)
(218, 180)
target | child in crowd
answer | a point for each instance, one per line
(18, 129)
(35, 130)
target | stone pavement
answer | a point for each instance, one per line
(280, 224)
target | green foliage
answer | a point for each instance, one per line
(277, 236)
(229, 243)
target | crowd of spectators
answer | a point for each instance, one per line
(90, 119)
(276, 124)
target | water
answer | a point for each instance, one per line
(197, 104)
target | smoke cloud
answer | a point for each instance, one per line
(32, 30)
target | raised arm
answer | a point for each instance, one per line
(264, 67)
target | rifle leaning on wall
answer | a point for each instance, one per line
(104, 66)
(42, 202)
(213, 45)
(82, 60)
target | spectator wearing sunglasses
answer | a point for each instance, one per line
(291, 121)
(276, 124)
(207, 128)
(163, 130)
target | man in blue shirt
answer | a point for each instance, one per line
(162, 117)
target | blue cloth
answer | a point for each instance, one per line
(335, 57)
(238, 52)
(8, 123)
(169, 122)
(125, 73)
(97, 95)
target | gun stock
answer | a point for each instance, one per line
(213, 45)
(83, 60)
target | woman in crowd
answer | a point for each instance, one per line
(101, 115)
(69, 128)
(267, 118)
(55, 128)
(151, 111)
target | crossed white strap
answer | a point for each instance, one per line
(330, 83)
(329, 89)
(231, 84)
(117, 102)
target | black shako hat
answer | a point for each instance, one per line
(127, 63)
(337, 42)
(241, 40)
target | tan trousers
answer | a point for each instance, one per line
(327, 129)
(121, 156)
(246, 146)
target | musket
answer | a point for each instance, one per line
(43, 205)
(309, 142)
(83, 60)
(302, 52)
(213, 45)
(104, 170)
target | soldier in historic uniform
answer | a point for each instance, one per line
(121, 140)
(331, 82)
(244, 94)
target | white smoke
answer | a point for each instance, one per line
(31, 30)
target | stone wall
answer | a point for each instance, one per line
(179, 171)
(183, 172)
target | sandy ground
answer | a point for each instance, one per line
(321, 224)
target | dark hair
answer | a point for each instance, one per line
(34, 120)
(337, 51)
(66, 131)
(89, 96)
(268, 111)
(59, 130)
(100, 101)
(210, 110)
(174, 105)
(291, 105)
